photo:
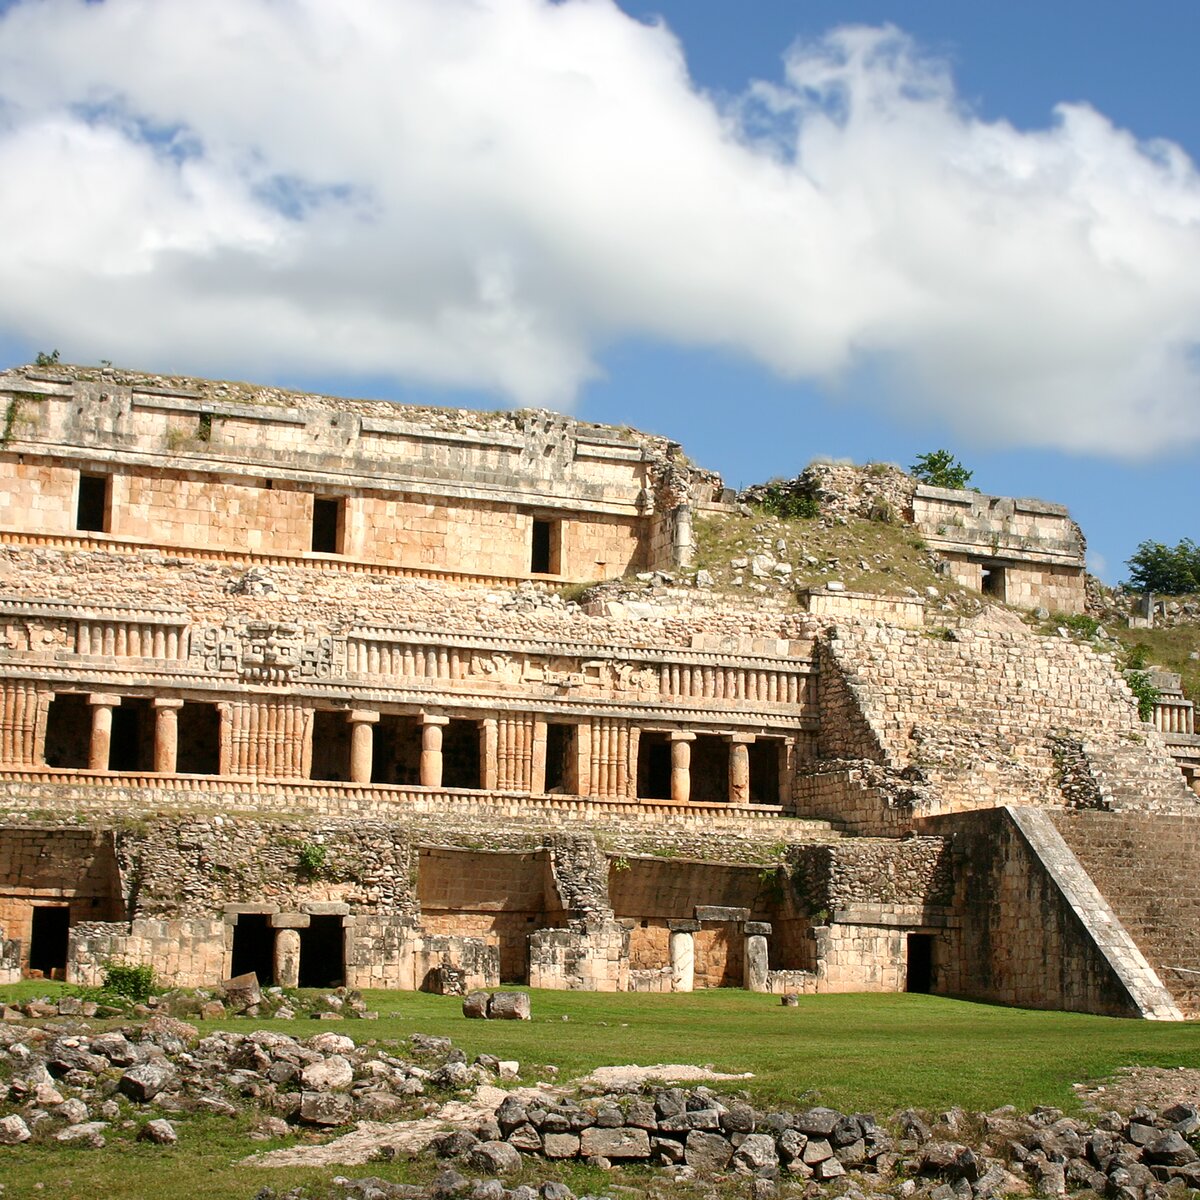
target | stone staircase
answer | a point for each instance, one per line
(1144, 864)
(1128, 777)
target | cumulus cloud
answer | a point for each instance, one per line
(482, 192)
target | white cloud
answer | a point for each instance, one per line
(479, 192)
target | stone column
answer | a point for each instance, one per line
(101, 743)
(739, 768)
(537, 762)
(166, 735)
(681, 768)
(755, 961)
(489, 754)
(287, 958)
(683, 954)
(431, 749)
(362, 743)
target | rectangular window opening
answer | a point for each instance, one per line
(330, 746)
(654, 766)
(199, 739)
(68, 732)
(91, 516)
(254, 947)
(323, 953)
(993, 582)
(327, 526)
(561, 759)
(544, 555)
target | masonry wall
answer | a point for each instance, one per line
(74, 869)
(1017, 940)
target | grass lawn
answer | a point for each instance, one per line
(875, 1053)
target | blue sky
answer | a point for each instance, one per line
(725, 223)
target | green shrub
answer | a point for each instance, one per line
(312, 858)
(780, 502)
(1081, 624)
(939, 468)
(46, 360)
(1144, 692)
(134, 981)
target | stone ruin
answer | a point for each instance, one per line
(296, 686)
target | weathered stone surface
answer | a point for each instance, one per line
(756, 1153)
(707, 1152)
(509, 1006)
(159, 1131)
(90, 1133)
(144, 1081)
(13, 1130)
(615, 1143)
(325, 1108)
(560, 1145)
(494, 1158)
(328, 1075)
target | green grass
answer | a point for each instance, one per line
(1169, 648)
(876, 1053)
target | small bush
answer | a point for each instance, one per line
(939, 468)
(1081, 624)
(1144, 692)
(134, 981)
(786, 505)
(312, 858)
(46, 360)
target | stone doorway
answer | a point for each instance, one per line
(396, 750)
(199, 739)
(254, 947)
(764, 758)
(919, 976)
(49, 932)
(710, 769)
(654, 766)
(68, 732)
(330, 746)
(562, 768)
(132, 744)
(323, 953)
(460, 755)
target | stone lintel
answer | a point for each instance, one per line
(236, 910)
(104, 699)
(715, 912)
(290, 920)
(362, 716)
(684, 926)
(682, 735)
(325, 908)
(758, 928)
(429, 718)
(166, 702)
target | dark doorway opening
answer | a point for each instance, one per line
(460, 755)
(68, 733)
(199, 740)
(327, 519)
(330, 746)
(92, 512)
(396, 750)
(562, 759)
(654, 766)
(542, 550)
(48, 935)
(322, 953)
(254, 947)
(764, 771)
(993, 581)
(710, 769)
(920, 963)
(132, 745)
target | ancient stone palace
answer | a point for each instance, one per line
(317, 688)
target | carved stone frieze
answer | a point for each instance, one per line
(266, 652)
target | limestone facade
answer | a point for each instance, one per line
(291, 685)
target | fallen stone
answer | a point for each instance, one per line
(756, 1153)
(509, 1006)
(242, 991)
(707, 1153)
(144, 1081)
(329, 1075)
(13, 1130)
(90, 1133)
(161, 1132)
(561, 1145)
(494, 1158)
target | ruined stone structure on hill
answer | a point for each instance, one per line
(293, 685)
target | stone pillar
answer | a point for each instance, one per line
(489, 754)
(681, 767)
(683, 954)
(166, 735)
(537, 763)
(739, 768)
(362, 743)
(755, 961)
(102, 706)
(287, 958)
(431, 749)
(684, 549)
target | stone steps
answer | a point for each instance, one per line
(1144, 865)
(1133, 776)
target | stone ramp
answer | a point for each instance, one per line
(1144, 864)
